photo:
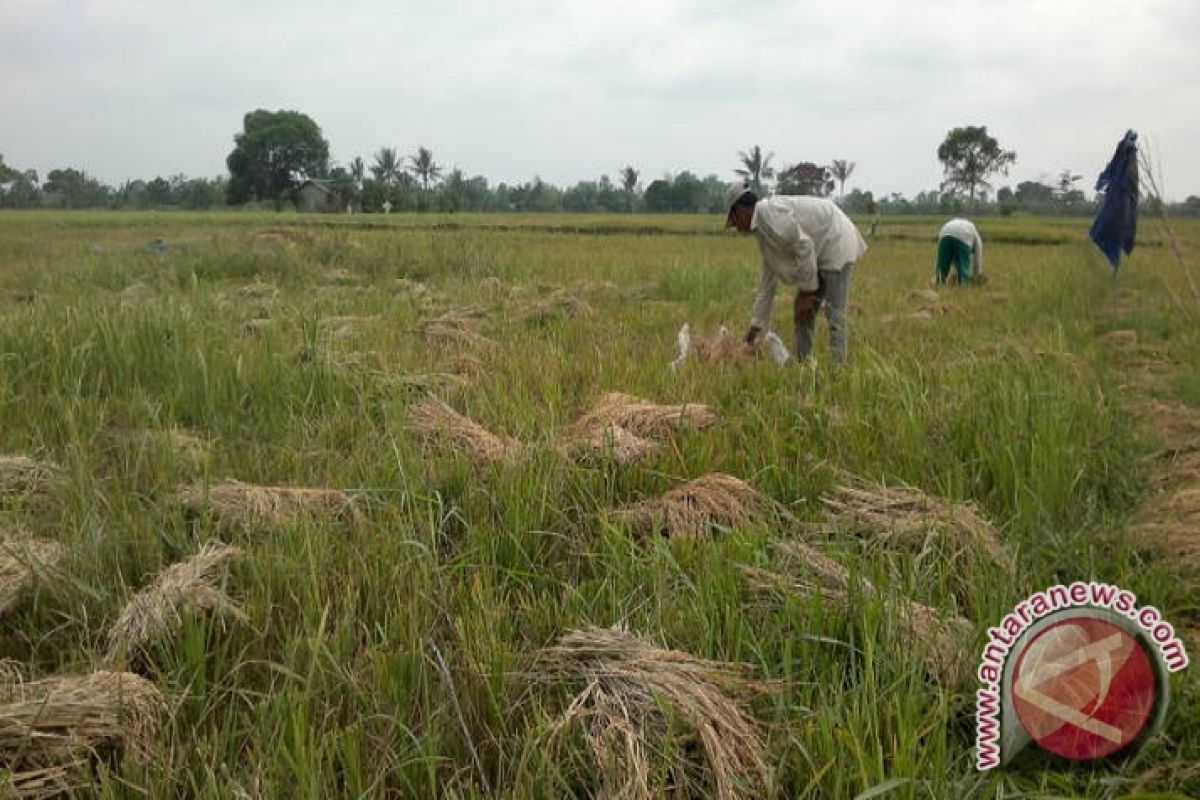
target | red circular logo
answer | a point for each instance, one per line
(1084, 688)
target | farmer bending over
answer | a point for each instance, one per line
(959, 243)
(807, 242)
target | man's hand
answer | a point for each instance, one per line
(751, 334)
(806, 307)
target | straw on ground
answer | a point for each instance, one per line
(188, 586)
(623, 682)
(244, 506)
(699, 507)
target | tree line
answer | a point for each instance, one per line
(281, 160)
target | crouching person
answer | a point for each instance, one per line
(959, 244)
(807, 242)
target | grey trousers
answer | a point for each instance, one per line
(834, 290)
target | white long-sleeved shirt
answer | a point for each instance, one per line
(797, 236)
(965, 232)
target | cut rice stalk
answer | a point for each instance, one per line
(23, 475)
(699, 507)
(611, 442)
(624, 682)
(945, 639)
(645, 419)
(244, 506)
(23, 560)
(62, 721)
(440, 425)
(907, 514)
(188, 586)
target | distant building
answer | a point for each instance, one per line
(317, 196)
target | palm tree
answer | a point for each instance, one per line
(424, 167)
(357, 170)
(841, 171)
(386, 168)
(629, 179)
(756, 167)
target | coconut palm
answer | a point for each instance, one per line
(841, 171)
(386, 168)
(424, 167)
(358, 170)
(629, 179)
(756, 167)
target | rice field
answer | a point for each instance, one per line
(415, 506)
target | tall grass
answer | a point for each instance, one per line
(382, 659)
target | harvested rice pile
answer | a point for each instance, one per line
(624, 681)
(641, 418)
(908, 515)
(22, 560)
(188, 586)
(454, 329)
(945, 639)
(51, 728)
(259, 291)
(413, 289)
(257, 327)
(23, 475)
(697, 508)
(439, 425)
(610, 442)
(289, 237)
(243, 506)
(559, 305)
(339, 277)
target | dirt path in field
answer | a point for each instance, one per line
(1170, 517)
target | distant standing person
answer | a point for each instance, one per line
(807, 242)
(959, 244)
(873, 210)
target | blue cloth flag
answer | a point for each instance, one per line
(1115, 226)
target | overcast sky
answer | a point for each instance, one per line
(570, 90)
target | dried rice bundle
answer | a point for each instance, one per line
(23, 475)
(414, 289)
(908, 515)
(559, 305)
(598, 443)
(624, 680)
(696, 508)
(439, 424)
(725, 348)
(455, 330)
(641, 418)
(21, 561)
(289, 237)
(245, 506)
(259, 291)
(257, 327)
(1120, 338)
(945, 639)
(339, 277)
(50, 727)
(188, 586)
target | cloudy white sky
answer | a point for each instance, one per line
(569, 89)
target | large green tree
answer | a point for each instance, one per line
(275, 153)
(969, 157)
